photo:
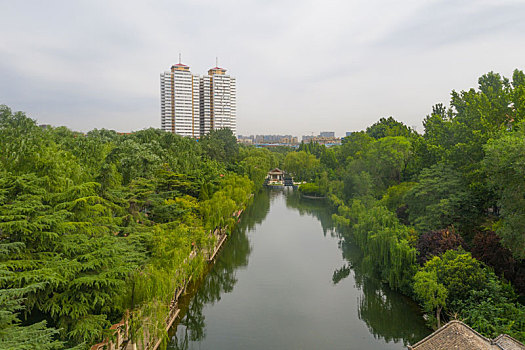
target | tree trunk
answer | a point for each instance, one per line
(438, 317)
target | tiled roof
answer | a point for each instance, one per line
(508, 343)
(457, 335)
(276, 171)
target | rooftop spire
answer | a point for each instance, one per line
(180, 66)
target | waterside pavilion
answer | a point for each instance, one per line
(275, 176)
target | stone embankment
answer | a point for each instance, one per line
(121, 335)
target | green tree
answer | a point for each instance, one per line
(14, 335)
(493, 310)
(303, 166)
(383, 240)
(394, 197)
(357, 184)
(102, 222)
(353, 147)
(386, 159)
(220, 145)
(436, 201)
(430, 292)
(504, 165)
(256, 168)
(310, 189)
(389, 127)
(134, 159)
(459, 272)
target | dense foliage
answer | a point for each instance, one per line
(310, 189)
(92, 225)
(417, 205)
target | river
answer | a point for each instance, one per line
(287, 280)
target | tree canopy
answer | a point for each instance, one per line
(413, 202)
(95, 224)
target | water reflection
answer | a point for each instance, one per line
(340, 274)
(318, 208)
(221, 278)
(387, 314)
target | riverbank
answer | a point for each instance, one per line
(312, 197)
(121, 334)
(222, 236)
(262, 293)
(449, 277)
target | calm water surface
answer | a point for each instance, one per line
(287, 280)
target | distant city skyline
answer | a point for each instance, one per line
(301, 67)
(328, 137)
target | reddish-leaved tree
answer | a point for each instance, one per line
(487, 247)
(437, 242)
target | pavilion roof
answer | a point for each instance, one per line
(276, 171)
(457, 335)
(508, 343)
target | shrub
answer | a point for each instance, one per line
(310, 189)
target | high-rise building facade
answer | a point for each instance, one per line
(218, 101)
(193, 106)
(179, 105)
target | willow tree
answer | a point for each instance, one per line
(385, 243)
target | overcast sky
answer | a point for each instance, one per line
(301, 66)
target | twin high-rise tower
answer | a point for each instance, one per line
(193, 105)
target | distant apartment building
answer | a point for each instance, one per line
(193, 105)
(269, 140)
(327, 134)
(276, 139)
(307, 138)
(328, 141)
(247, 140)
(290, 140)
